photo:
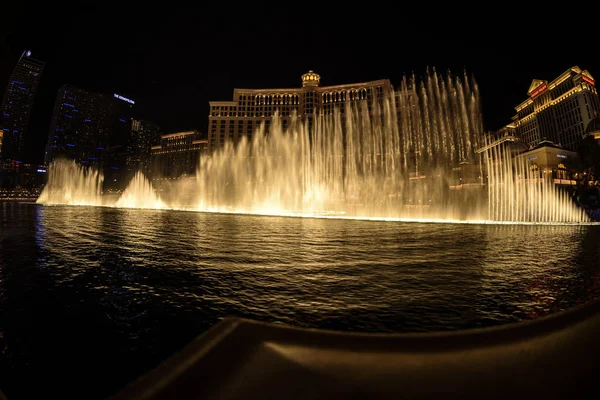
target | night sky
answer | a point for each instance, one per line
(172, 62)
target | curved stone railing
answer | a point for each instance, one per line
(552, 357)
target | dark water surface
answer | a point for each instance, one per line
(91, 298)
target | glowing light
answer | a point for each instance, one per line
(139, 194)
(72, 184)
(336, 170)
(538, 90)
(588, 80)
(118, 96)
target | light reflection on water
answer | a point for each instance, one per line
(141, 283)
(278, 268)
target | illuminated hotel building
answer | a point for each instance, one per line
(558, 111)
(177, 155)
(16, 106)
(231, 120)
(546, 158)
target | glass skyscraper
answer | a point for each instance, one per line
(86, 125)
(16, 107)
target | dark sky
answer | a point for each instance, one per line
(173, 61)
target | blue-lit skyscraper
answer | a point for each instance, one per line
(16, 106)
(85, 125)
(79, 126)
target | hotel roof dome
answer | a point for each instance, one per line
(311, 79)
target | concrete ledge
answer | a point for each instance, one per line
(552, 357)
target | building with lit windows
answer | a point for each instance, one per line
(177, 155)
(144, 135)
(558, 111)
(16, 107)
(547, 159)
(86, 125)
(231, 120)
(506, 138)
(79, 126)
(20, 178)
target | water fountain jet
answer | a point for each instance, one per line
(394, 157)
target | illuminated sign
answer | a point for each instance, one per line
(588, 80)
(538, 90)
(561, 156)
(41, 170)
(118, 96)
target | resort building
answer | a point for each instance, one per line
(559, 110)
(550, 160)
(177, 155)
(231, 120)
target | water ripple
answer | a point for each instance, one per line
(141, 283)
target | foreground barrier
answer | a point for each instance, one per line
(552, 357)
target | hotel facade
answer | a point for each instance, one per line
(229, 121)
(557, 111)
(177, 155)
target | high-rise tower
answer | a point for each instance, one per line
(16, 106)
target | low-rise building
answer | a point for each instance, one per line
(550, 160)
(177, 155)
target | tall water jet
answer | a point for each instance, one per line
(139, 194)
(391, 157)
(400, 155)
(73, 184)
(519, 192)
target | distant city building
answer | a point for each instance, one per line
(177, 155)
(90, 128)
(231, 120)
(16, 107)
(505, 138)
(558, 111)
(79, 126)
(22, 176)
(144, 135)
